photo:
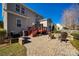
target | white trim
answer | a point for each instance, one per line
(17, 14)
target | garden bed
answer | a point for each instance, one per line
(13, 50)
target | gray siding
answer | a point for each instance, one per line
(11, 7)
(11, 19)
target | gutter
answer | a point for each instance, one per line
(16, 14)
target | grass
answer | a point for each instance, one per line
(75, 43)
(13, 50)
(1, 29)
(75, 34)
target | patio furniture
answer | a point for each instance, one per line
(63, 36)
(21, 41)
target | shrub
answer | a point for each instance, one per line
(57, 31)
(51, 35)
(76, 35)
(2, 33)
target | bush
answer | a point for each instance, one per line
(51, 35)
(57, 31)
(76, 35)
(2, 35)
(2, 32)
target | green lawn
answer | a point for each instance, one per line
(13, 50)
(75, 43)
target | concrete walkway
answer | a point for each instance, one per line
(44, 46)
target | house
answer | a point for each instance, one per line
(59, 27)
(18, 17)
(46, 23)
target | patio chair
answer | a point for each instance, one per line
(63, 36)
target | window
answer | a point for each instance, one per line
(18, 23)
(22, 10)
(17, 8)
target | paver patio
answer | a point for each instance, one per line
(44, 46)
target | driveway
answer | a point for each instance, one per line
(44, 46)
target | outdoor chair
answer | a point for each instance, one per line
(64, 36)
(13, 35)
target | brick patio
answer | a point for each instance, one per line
(44, 46)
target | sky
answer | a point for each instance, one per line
(1, 12)
(47, 10)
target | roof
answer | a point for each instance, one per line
(31, 10)
(45, 19)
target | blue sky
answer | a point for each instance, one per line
(0, 11)
(48, 10)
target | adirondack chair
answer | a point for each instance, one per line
(63, 36)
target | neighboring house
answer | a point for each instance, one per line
(18, 17)
(59, 27)
(46, 23)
